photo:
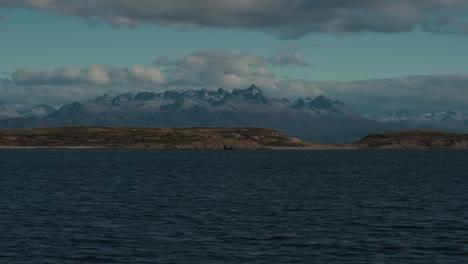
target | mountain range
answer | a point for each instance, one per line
(8, 112)
(451, 120)
(43, 110)
(317, 119)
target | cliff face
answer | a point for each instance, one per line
(415, 139)
(148, 138)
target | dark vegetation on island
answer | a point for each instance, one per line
(213, 138)
(416, 139)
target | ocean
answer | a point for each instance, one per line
(329, 206)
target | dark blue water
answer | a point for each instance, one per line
(91, 206)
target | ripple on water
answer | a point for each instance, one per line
(95, 206)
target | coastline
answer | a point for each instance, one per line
(213, 138)
(132, 148)
(50, 147)
(324, 147)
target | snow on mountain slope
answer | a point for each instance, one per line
(39, 111)
(451, 120)
(8, 112)
(317, 119)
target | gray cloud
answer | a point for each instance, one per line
(288, 18)
(283, 60)
(92, 75)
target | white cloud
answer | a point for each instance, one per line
(232, 70)
(93, 74)
(141, 74)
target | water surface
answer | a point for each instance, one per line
(118, 206)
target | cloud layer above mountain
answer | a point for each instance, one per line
(231, 70)
(288, 18)
(426, 93)
(92, 75)
(210, 68)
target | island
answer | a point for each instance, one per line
(213, 138)
(415, 139)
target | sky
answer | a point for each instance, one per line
(378, 56)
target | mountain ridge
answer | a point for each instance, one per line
(8, 112)
(449, 120)
(42, 110)
(315, 119)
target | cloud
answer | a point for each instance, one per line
(16, 94)
(202, 69)
(283, 60)
(418, 94)
(140, 74)
(233, 69)
(288, 18)
(264, 72)
(91, 75)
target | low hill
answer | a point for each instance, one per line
(148, 138)
(213, 138)
(415, 139)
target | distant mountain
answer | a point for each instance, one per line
(314, 119)
(448, 121)
(447, 116)
(38, 111)
(8, 112)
